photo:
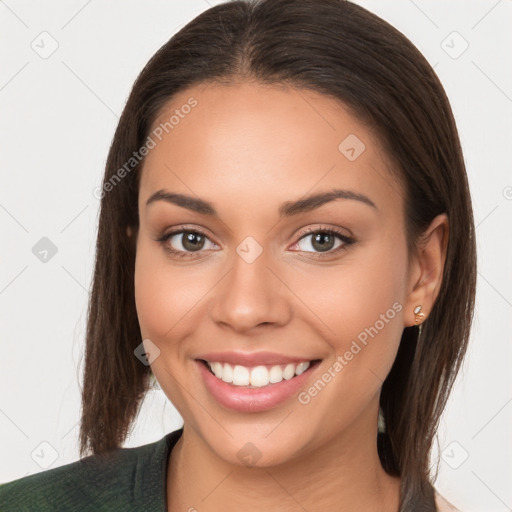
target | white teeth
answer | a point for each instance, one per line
(301, 368)
(217, 369)
(275, 374)
(240, 376)
(289, 371)
(227, 373)
(257, 376)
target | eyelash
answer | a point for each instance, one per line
(347, 241)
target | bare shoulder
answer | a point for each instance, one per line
(443, 505)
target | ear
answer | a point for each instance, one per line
(426, 270)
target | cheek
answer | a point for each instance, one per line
(167, 297)
(164, 293)
(359, 308)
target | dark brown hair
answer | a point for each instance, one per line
(335, 48)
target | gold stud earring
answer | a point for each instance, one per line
(419, 315)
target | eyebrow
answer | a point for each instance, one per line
(287, 209)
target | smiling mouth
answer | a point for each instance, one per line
(257, 376)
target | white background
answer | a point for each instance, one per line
(58, 116)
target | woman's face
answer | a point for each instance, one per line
(280, 273)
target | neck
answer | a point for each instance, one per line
(340, 475)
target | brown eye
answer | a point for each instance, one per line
(322, 241)
(185, 242)
(192, 241)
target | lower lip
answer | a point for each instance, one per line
(244, 399)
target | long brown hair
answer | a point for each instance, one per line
(342, 50)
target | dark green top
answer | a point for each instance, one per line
(123, 480)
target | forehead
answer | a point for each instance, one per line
(260, 141)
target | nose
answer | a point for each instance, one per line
(251, 295)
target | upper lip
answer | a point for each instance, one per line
(251, 358)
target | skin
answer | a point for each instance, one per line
(247, 148)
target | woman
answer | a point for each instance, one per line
(286, 243)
